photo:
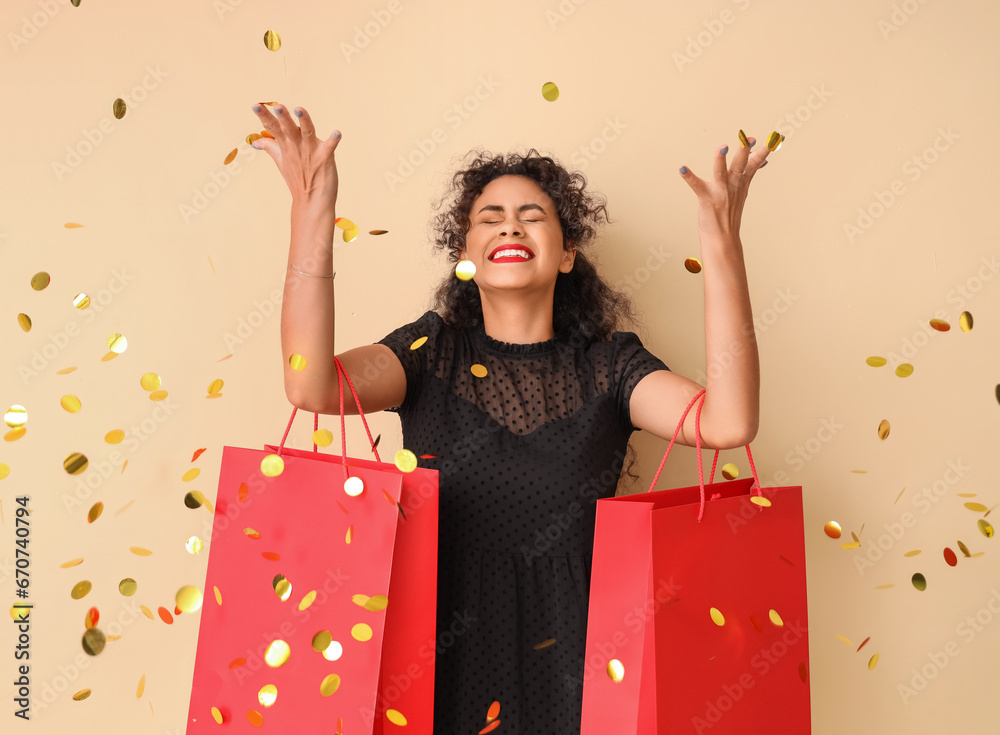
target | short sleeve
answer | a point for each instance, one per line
(630, 363)
(415, 356)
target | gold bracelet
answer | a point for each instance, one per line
(332, 275)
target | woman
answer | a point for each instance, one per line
(524, 394)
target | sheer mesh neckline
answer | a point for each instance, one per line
(512, 348)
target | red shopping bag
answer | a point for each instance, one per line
(319, 606)
(698, 617)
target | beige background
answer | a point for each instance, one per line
(859, 88)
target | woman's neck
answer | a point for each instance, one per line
(517, 320)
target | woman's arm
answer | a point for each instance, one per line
(731, 412)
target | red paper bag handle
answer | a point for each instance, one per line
(697, 438)
(341, 374)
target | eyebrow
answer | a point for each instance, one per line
(498, 208)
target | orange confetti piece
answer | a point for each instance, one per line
(490, 727)
(165, 615)
(197, 453)
(493, 712)
(244, 491)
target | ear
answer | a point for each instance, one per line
(568, 257)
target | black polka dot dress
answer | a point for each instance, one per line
(523, 453)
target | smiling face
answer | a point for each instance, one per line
(515, 239)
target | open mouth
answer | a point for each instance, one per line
(510, 255)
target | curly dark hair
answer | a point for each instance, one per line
(585, 307)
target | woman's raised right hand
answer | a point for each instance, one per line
(307, 164)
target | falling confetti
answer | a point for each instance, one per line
(693, 265)
(965, 321)
(905, 370)
(377, 232)
(875, 361)
(230, 157)
(354, 486)
(465, 270)
(272, 40)
(919, 581)
(883, 429)
(25, 321)
(550, 91)
(730, 471)
(119, 108)
(478, 370)
(395, 717)
(717, 617)
(832, 529)
(872, 662)
(421, 341)
(940, 325)
(405, 460)
(297, 362)
(616, 670)
(950, 558)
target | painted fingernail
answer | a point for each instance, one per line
(254, 145)
(298, 113)
(753, 142)
(336, 135)
(684, 169)
(724, 151)
(774, 141)
(762, 165)
(279, 111)
(743, 139)
(255, 108)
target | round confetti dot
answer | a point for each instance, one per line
(19, 613)
(883, 429)
(775, 618)
(81, 301)
(985, 528)
(950, 558)
(4, 470)
(361, 632)
(93, 641)
(16, 416)
(128, 587)
(329, 685)
(333, 652)
(80, 590)
(272, 465)
(405, 460)
(272, 40)
(940, 325)
(478, 370)
(277, 653)
(150, 381)
(217, 715)
(40, 280)
(255, 718)
(832, 529)
(376, 603)
(395, 717)
(70, 403)
(322, 437)
(465, 270)
(75, 463)
(965, 321)
(194, 499)
(616, 671)
(267, 695)
(418, 343)
(229, 159)
(730, 471)
(550, 91)
(354, 486)
(117, 343)
(905, 370)
(115, 436)
(297, 362)
(24, 321)
(194, 545)
(919, 581)
(693, 265)
(717, 617)
(118, 108)
(876, 361)
(188, 599)
(81, 695)
(760, 500)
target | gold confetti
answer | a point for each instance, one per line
(832, 529)
(899, 496)
(550, 91)
(405, 460)
(16, 416)
(350, 533)
(81, 695)
(80, 590)
(267, 695)
(117, 343)
(850, 545)
(377, 232)
(297, 362)
(985, 528)
(277, 653)
(307, 600)
(883, 429)
(4, 470)
(845, 640)
(333, 652)
(272, 465)
(977, 507)
(359, 599)
(418, 343)
(914, 552)
(190, 474)
(252, 532)
(730, 471)
(395, 717)
(188, 599)
(965, 321)
(40, 280)
(95, 512)
(876, 361)
(322, 437)
(81, 301)
(194, 545)
(282, 587)
(25, 321)
(73, 225)
(71, 563)
(215, 386)
(884, 586)
(544, 644)
(615, 670)
(919, 581)
(218, 595)
(905, 370)
(75, 463)
(272, 40)
(717, 617)
(321, 641)
(760, 500)
(361, 632)
(465, 270)
(115, 436)
(329, 685)
(693, 265)
(14, 434)
(376, 603)
(940, 325)
(252, 137)
(230, 157)
(194, 499)
(147, 612)
(964, 549)
(775, 618)
(93, 641)
(65, 371)
(774, 141)
(118, 108)
(217, 715)
(140, 551)
(872, 662)
(141, 688)
(478, 370)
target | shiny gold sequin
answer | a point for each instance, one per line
(478, 370)
(95, 512)
(267, 695)
(14, 434)
(616, 670)
(883, 429)
(361, 632)
(964, 549)
(75, 463)
(194, 499)
(405, 460)
(141, 687)
(905, 370)
(117, 343)
(418, 343)
(71, 563)
(215, 386)
(333, 652)
(24, 321)
(329, 685)
(252, 137)
(128, 587)
(985, 528)
(850, 545)
(395, 717)
(4, 470)
(150, 381)
(875, 361)
(81, 301)
(376, 603)
(93, 641)
(717, 617)
(16, 416)
(919, 581)
(730, 471)
(544, 644)
(190, 474)
(282, 587)
(760, 500)
(693, 265)
(914, 552)
(775, 618)
(188, 599)
(147, 612)
(965, 321)
(80, 590)
(218, 595)
(354, 486)
(297, 362)
(118, 108)
(884, 586)
(277, 653)
(350, 534)
(272, 40)
(977, 507)
(230, 157)
(272, 465)
(377, 232)
(322, 437)
(465, 270)
(115, 436)
(307, 600)
(744, 143)
(81, 695)
(832, 529)
(217, 715)
(550, 91)
(872, 662)
(194, 545)
(40, 280)
(321, 641)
